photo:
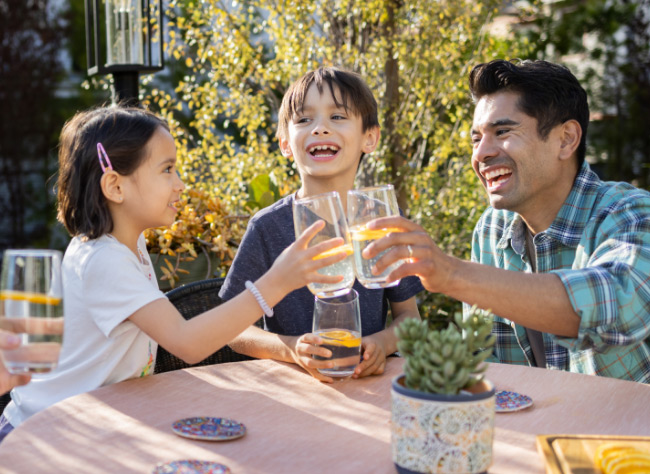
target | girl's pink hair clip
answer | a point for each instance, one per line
(101, 153)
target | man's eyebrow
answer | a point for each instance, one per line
(499, 123)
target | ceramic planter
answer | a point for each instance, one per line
(432, 433)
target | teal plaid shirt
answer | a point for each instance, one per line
(599, 246)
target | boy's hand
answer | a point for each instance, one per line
(304, 348)
(8, 381)
(297, 265)
(373, 360)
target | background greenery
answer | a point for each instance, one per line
(229, 63)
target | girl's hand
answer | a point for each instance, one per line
(297, 265)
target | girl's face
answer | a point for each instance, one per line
(152, 192)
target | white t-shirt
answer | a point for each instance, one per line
(104, 284)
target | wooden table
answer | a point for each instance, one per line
(297, 424)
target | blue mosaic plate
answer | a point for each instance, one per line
(207, 428)
(511, 401)
(190, 466)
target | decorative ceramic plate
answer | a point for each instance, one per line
(511, 401)
(190, 466)
(209, 429)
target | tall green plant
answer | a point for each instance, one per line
(415, 54)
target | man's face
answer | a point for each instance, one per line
(519, 170)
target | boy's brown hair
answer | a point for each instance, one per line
(353, 94)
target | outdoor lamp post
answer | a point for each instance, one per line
(124, 38)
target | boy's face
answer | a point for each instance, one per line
(325, 140)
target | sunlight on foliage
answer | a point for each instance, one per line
(232, 62)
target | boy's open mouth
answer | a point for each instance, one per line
(323, 152)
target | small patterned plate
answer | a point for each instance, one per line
(209, 429)
(511, 401)
(190, 466)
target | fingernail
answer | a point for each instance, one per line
(12, 339)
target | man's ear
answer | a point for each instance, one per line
(571, 134)
(111, 184)
(285, 148)
(371, 139)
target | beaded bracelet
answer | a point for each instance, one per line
(260, 299)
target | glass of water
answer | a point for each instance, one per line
(365, 205)
(327, 207)
(338, 322)
(31, 302)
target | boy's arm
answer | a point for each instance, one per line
(380, 345)
(261, 344)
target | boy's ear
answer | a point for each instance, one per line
(111, 184)
(285, 148)
(371, 139)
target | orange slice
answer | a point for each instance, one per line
(340, 338)
(363, 233)
(347, 248)
(38, 298)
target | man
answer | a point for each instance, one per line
(561, 258)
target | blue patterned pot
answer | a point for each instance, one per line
(433, 433)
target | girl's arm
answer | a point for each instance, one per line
(195, 339)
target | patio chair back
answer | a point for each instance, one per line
(191, 300)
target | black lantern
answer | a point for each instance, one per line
(124, 38)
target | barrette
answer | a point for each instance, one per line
(101, 154)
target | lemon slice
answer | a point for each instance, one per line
(363, 233)
(347, 248)
(621, 458)
(39, 298)
(631, 464)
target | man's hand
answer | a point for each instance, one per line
(304, 348)
(8, 381)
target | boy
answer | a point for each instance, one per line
(327, 122)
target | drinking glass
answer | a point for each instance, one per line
(327, 207)
(338, 322)
(31, 297)
(365, 205)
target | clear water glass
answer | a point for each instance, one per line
(338, 322)
(365, 205)
(31, 305)
(327, 207)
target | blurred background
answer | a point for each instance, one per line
(228, 63)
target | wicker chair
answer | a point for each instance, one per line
(4, 401)
(191, 300)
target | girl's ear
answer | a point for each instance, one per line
(371, 139)
(111, 184)
(285, 148)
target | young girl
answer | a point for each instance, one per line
(117, 178)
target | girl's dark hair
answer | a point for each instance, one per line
(124, 132)
(548, 92)
(354, 95)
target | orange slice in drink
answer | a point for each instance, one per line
(39, 298)
(363, 233)
(340, 338)
(347, 248)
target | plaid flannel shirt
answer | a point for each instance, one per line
(599, 246)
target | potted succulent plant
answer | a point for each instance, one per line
(442, 408)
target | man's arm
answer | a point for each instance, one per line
(538, 301)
